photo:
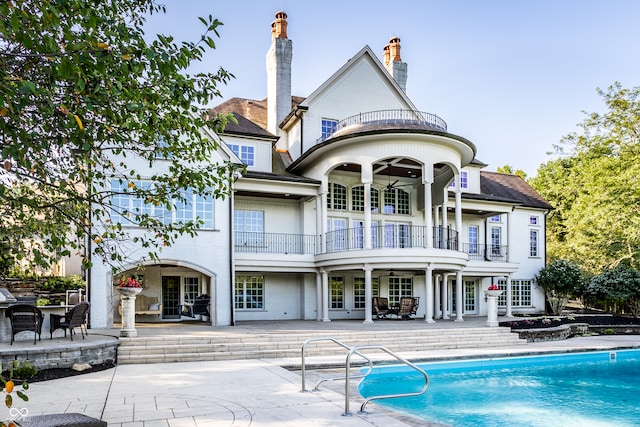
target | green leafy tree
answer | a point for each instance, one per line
(596, 220)
(620, 285)
(508, 169)
(84, 96)
(559, 279)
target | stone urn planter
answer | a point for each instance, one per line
(493, 293)
(128, 299)
(492, 306)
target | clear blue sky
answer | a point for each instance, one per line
(512, 76)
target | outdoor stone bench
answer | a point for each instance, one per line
(60, 420)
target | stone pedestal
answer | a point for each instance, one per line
(492, 307)
(128, 298)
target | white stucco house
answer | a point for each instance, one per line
(350, 193)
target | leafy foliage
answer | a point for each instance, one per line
(62, 284)
(620, 285)
(559, 279)
(9, 386)
(596, 221)
(508, 169)
(85, 99)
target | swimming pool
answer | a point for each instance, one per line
(576, 389)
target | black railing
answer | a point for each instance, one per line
(275, 243)
(382, 237)
(389, 117)
(481, 252)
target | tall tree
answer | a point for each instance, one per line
(83, 92)
(508, 169)
(596, 222)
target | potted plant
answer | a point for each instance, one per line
(128, 286)
(493, 291)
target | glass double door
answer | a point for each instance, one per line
(177, 290)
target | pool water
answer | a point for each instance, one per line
(578, 389)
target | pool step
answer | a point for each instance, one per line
(219, 346)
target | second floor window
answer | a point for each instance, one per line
(127, 205)
(246, 153)
(533, 243)
(495, 240)
(248, 227)
(473, 239)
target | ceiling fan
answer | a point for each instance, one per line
(393, 185)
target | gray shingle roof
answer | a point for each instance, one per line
(512, 187)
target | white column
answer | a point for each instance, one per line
(458, 215)
(325, 296)
(445, 202)
(459, 297)
(319, 235)
(324, 216)
(368, 294)
(367, 215)
(436, 222)
(428, 215)
(444, 297)
(319, 306)
(509, 302)
(428, 310)
(436, 298)
(509, 240)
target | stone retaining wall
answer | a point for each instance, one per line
(63, 356)
(569, 330)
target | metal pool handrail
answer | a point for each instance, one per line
(387, 396)
(303, 363)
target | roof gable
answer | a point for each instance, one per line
(363, 74)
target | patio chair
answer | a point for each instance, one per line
(199, 306)
(406, 308)
(74, 318)
(25, 317)
(380, 307)
(416, 303)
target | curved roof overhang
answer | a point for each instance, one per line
(463, 146)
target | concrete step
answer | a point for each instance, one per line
(172, 348)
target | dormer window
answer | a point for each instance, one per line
(246, 153)
(464, 180)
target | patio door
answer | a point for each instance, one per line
(336, 234)
(470, 297)
(170, 297)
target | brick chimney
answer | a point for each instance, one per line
(393, 62)
(278, 74)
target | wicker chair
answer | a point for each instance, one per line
(74, 318)
(25, 317)
(380, 307)
(406, 308)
